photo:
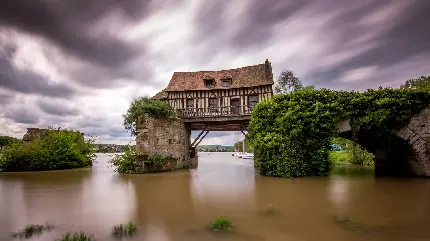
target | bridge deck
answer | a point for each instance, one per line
(226, 118)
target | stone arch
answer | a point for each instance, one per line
(417, 134)
(406, 153)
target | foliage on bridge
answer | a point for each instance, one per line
(144, 105)
(58, 149)
(291, 132)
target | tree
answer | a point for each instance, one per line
(7, 140)
(287, 82)
(145, 105)
(421, 83)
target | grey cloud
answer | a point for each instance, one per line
(22, 115)
(57, 108)
(28, 82)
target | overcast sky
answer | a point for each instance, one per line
(79, 63)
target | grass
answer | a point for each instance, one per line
(33, 229)
(124, 230)
(222, 224)
(339, 157)
(81, 236)
(351, 224)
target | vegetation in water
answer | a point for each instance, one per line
(352, 153)
(33, 229)
(271, 209)
(291, 133)
(81, 236)
(223, 224)
(125, 163)
(347, 222)
(124, 230)
(57, 149)
(145, 105)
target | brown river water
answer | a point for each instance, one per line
(179, 205)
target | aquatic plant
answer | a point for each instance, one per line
(81, 236)
(221, 224)
(33, 229)
(124, 230)
(351, 224)
(271, 209)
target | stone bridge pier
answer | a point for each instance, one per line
(405, 153)
(166, 137)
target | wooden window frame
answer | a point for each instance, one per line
(224, 81)
(209, 83)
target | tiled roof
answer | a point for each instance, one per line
(160, 95)
(249, 76)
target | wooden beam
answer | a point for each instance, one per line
(199, 135)
(202, 138)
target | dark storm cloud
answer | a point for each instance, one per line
(28, 82)
(87, 31)
(57, 109)
(22, 115)
(68, 25)
(6, 98)
(391, 40)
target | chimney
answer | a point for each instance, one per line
(268, 70)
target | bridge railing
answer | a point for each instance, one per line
(215, 111)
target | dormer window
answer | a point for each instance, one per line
(226, 82)
(209, 82)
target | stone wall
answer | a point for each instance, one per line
(417, 134)
(167, 137)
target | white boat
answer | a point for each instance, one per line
(247, 156)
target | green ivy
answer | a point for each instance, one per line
(291, 132)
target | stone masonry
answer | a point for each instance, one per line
(167, 137)
(417, 134)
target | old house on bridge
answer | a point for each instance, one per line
(207, 101)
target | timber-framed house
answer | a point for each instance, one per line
(232, 92)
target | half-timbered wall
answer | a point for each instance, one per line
(178, 99)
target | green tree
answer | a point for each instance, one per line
(7, 140)
(287, 82)
(145, 105)
(421, 83)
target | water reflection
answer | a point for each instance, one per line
(178, 205)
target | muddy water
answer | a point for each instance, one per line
(178, 206)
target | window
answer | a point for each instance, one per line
(209, 83)
(226, 82)
(252, 100)
(213, 102)
(190, 103)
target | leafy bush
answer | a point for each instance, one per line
(291, 132)
(7, 140)
(144, 105)
(58, 149)
(125, 163)
(221, 224)
(124, 230)
(78, 237)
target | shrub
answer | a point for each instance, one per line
(124, 230)
(144, 105)
(78, 237)
(125, 163)
(221, 224)
(58, 149)
(352, 153)
(291, 132)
